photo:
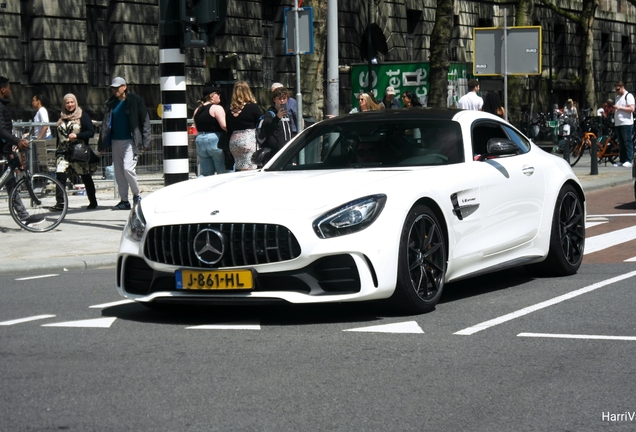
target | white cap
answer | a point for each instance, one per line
(276, 85)
(118, 82)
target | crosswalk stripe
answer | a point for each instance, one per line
(403, 327)
(604, 241)
(234, 325)
(23, 320)
(89, 323)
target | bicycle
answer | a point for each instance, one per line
(585, 144)
(34, 194)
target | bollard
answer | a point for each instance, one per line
(566, 149)
(594, 156)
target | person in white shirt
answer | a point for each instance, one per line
(41, 116)
(471, 101)
(623, 123)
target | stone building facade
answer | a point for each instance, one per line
(54, 47)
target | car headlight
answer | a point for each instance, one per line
(136, 223)
(350, 218)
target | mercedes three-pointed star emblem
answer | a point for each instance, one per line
(209, 246)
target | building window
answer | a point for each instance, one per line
(605, 50)
(25, 21)
(268, 18)
(413, 18)
(625, 59)
(97, 44)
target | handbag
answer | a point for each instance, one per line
(262, 156)
(80, 153)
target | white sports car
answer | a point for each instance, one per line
(389, 204)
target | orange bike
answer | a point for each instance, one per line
(581, 147)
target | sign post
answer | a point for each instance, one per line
(300, 23)
(507, 51)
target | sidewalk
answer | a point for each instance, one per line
(90, 239)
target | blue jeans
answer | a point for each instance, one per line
(211, 157)
(625, 144)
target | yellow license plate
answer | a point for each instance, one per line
(214, 279)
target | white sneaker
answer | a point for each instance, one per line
(618, 164)
(627, 165)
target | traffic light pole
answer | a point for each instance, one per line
(174, 114)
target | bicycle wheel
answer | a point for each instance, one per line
(36, 197)
(577, 151)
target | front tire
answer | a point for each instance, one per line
(38, 202)
(421, 262)
(567, 237)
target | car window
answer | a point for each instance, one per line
(520, 140)
(484, 131)
(365, 144)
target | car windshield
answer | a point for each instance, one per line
(365, 144)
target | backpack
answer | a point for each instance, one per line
(260, 138)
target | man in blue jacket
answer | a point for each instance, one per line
(126, 128)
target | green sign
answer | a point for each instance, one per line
(403, 76)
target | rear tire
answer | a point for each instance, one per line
(577, 151)
(421, 263)
(44, 188)
(567, 237)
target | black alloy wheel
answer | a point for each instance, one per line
(422, 262)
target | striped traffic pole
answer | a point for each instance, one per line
(174, 109)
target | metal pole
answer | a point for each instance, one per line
(594, 156)
(505, 36)
(550, 65)
(332, 58)
(369, 85)
(299, 96)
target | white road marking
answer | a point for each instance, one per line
(115, 303)
(572, 336)
(525, 311)
(37, 277)
(611, 215)
(89, 323)
(405, 327)
(235, 325)
(632, 259)
(604, 241)
(23, 320)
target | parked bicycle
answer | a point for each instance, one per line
(32, 193)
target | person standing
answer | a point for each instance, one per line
(570, 110)
(209, 120)
(492, 104)
(126, 129)
(241, 123)
(410, 100)
(73, 127)
(623, 123)
(41, 116)
(292, 108)
(275, 130)
(8, 141)
(471, 101)
(366, 103)
(389, 100)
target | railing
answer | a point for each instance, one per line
(149, 162)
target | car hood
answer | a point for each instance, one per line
(273, 191)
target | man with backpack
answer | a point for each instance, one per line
(274, 127)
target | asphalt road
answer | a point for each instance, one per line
(502, 352)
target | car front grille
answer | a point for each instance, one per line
(245, 244)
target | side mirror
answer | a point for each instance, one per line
(501, 147)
